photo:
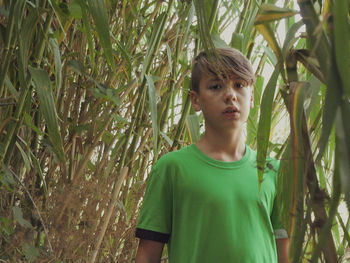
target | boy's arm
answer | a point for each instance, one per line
(149, 251)
(282, 249)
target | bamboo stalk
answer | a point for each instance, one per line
(317, 201)
(110, 209)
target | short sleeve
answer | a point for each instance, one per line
(279, 230)
(275, 216)
(156, 211)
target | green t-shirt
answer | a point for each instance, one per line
(212, 210)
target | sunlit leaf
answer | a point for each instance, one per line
(269, 12)
(267, 32)
(263, 134)
(154, 114)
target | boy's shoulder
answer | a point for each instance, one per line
(175, 157)
(271, 163)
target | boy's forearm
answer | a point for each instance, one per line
(149, 252)
(145, 260)
(283, 250)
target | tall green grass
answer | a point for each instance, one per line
(92, 93)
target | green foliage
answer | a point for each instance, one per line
(91, 88)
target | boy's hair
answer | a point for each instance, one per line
(226, 62)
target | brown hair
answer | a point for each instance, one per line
(226, 62)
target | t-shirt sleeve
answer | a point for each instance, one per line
(155, 218)
(279, 230)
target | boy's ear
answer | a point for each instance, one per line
(195, 101)
(252, 98)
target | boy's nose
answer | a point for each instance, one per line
(230, 94)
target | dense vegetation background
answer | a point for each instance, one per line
(93, 92)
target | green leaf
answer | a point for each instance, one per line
(252, 124)
(270, 12)
(290, 38)
(125, 53)
(170, 62)
(237, 41)
(47, 106)
(4, 12)
(332, 102)
(30, 252)
(107, 137)
(26, 158)
(263, 135)
(6, 226)
(98, 11)
(218, 41)
(7, 179)
(77, 66)
(18, 216)
(342, 146)
(193, 122)
(310, 62)
(157, 32)
(11, 88)
(267, 32)
(153, 107)
(107, 93)
(58, 64)
(40, 172)
(270, 55)
(25, 37)
(342, 40)
(29, 122)
(87, 29)
(203, 24)
(75, 10)
(166, 137)
(118, 118)
(296, 173)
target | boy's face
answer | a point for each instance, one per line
(225, 103)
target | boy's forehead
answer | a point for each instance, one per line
(221, 77)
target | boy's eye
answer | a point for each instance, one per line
(239, 85)
(215, 87)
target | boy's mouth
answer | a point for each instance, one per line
(231, 110)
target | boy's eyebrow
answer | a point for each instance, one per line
(215, 79)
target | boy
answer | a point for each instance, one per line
(203, 200)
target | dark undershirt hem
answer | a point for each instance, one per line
(152, 235)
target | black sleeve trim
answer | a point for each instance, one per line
(152, 235)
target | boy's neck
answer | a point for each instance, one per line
(228, 147)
